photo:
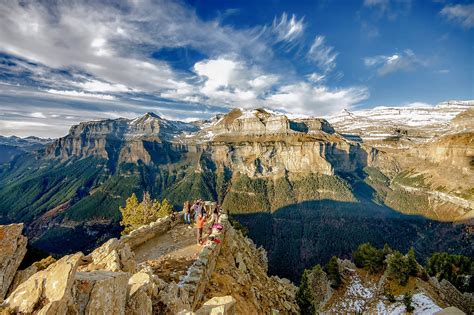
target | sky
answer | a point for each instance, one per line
(63, 62)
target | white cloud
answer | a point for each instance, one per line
(324, 56)
(100, 86)
(288, 29)
(231, 82)
(37, 115)
(317, 100)
(316, 77)
(385, 64)
(81, 94)
(460, 13)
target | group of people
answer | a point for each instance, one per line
(197, 212)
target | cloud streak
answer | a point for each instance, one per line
(386, 64)
(459, 13)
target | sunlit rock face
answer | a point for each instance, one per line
(12, 249)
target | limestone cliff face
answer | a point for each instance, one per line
(256, 143)
(119, 140)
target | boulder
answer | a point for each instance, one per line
(100, 292)
(112, 256)
(12, 249)
(48, 291)
(221, 305)
(23, 275)
(141, 289)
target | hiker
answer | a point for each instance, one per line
(213, 219)
(198, 209)
(199, 227)
(187, 212)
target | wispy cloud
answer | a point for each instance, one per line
(385, 64)
(462, 14)
(288, 29)
(81, 94)
(324, 56)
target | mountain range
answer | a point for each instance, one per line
(305, 188)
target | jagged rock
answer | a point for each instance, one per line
(100, 292)
(223, 305)
(141, 288)
(48, 291)
(12, 249)
(23, 275)
(113, 256)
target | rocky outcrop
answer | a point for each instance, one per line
(113, 256)
(48, 291)
(12, 251)
(100, 292)
(23, 275)
(241, 271)
(141, 289)
(449, 295)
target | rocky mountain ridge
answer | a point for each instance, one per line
(418, 123)
(12, 146)
(276, 173)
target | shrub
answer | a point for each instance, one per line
(368, 257)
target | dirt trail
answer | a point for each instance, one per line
(170, 254)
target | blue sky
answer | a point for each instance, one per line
(69, 61)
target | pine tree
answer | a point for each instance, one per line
(304, 297)
(412, 264)
(136, 214)
(128, 214)
(398, 267)
(332, 270)
(166, 209)
(407, 300)
(369, 257)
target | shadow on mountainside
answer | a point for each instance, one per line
(301, 235)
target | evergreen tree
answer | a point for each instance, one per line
(166, 209)
(304, 296)
(368, 257)
(332, 269)
(387, 250)
(407, 300)
(412, 264)
(136, 214)
(128, 214)
(398, 268)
